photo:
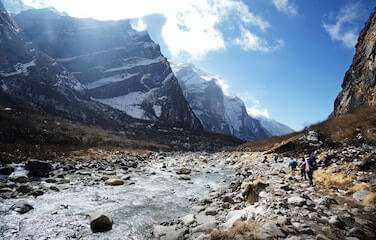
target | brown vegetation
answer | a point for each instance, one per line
(248, 229)
(269, 144)
(348, 127)
(359, 187)
(331, 178)
(357, 127)
(28, 134)
(370, 200)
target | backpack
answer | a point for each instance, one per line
(312, 164)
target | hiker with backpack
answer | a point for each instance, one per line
(302, 166)
(293, 164)
(311, 166)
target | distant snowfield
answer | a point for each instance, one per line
(130, 104)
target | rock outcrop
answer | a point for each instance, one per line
(115, 64)
(359, 85)
(15, 6)
(32, 79)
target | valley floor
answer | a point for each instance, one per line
(152, 195)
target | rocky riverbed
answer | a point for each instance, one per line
(225, 195)
(136, 192)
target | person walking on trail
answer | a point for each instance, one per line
(275, 158)
(293, 164)
(302, 166)
(311, 166)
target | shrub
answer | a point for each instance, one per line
(359, 187)
(329, 178)
(248, 228)
(370, 200)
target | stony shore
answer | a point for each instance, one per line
(150, 195)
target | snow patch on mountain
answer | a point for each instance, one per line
(130, 103)
(20, 68)
(136, 62)
(108, 80)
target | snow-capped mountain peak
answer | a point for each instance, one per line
(219, 112)
(274, 127)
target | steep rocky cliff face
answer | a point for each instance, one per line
(33, 79)
(358, 87)
(205, 97)
(15, 6)
(242, 125)
(116, 65)
(220, 113)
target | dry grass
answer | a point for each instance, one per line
(370, 200)
(329, 178)
(359, 187)
(248, 229)
(333, 130)
(268, 144)
(347, 127)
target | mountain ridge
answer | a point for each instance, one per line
(116, 65)
(217, 111)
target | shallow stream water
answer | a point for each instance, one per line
(157, 195)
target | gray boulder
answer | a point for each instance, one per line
(22, 207)
(38, 168)
(114, 182)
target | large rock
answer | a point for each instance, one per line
(270, 230)
(114, 182)
(22, 207)
(361, 195)
(100, 222)
(252, 191)
(167, 233)
(241, 215)
(38, 168)
(297, 201)
(19, 177)
(6, 170)
(188, 219)
(183, 170)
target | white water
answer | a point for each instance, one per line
(134, 208)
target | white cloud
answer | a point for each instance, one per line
(192, 27)
(223, 84)
(139, 25)
(286, 6)
(342, 28)
(254, 106)
(251, 42)
(257, 111)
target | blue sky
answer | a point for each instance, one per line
(285, 58)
